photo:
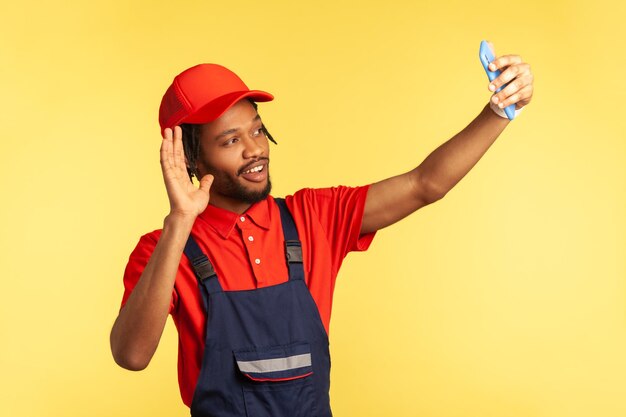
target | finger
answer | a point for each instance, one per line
(166, 149)
(512, 87)
(206, 182)
(167, 133)
(520, 98)
(504, 61)
(509, 74)
(178, 153)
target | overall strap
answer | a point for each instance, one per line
(293, 248)
(202, 267)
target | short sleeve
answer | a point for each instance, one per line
(339, 211)
(137, 263)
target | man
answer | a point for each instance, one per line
(252, 295)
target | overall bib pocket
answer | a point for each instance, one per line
(279, 382)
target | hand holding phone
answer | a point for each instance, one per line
(487, 57)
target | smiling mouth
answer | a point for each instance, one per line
(255, 167)
(253, 170)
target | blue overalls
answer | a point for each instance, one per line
(266, 351)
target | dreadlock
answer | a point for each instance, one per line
(191, 143)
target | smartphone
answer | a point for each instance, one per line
(486, 58)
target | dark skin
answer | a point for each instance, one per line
(235, 143)
(230, 146)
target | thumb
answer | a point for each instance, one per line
(205, 183)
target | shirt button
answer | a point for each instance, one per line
(243, 219)
(250, 238)
(257, 261)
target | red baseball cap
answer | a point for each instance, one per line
(203, 93)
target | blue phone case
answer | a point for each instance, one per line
(486, 57)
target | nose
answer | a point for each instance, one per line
(252, 148)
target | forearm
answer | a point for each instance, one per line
(449, 163)
(139, 325)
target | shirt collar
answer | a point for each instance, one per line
(223, 221)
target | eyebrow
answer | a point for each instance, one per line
(236, 129)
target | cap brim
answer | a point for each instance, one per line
(214, 109)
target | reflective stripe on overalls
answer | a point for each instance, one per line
(266, 351)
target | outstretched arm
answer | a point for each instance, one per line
(395, 198)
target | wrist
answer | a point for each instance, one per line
(177, 220)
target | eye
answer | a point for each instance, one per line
(258, 132)
(231, 141)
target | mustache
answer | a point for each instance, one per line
(248, 165)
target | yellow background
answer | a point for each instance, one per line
(506, 298)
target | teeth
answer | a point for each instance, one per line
(256, 169)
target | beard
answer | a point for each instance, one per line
(228, 186)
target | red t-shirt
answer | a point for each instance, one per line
(328, 222)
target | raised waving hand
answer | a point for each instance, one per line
(185, 198)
